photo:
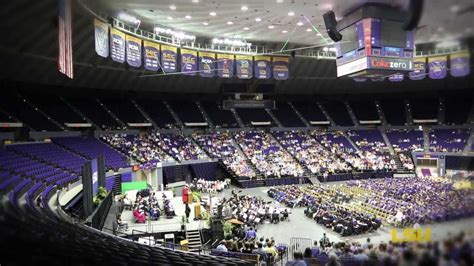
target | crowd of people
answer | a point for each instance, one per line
(142, 147)
(420, 200)
(251, 210)
(267, 156)
(310, 153)
(220, 146)
(326, 207)
(267, 249)
(454, 250)
(209, 186)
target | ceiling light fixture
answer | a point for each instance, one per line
(299, 23)
(205, 23)
(172, 7)
(319, 34)
(212, 13)
(188, 17)
(246, 28)
(230, 22)
(308, 30)
(176, 34)
(231, 42)
(128, 18)
(258, 19)
(169, 18)
(284, 31)
(195, 1)
(455, 8)
(291, 13)
(271, 27)
(244, 8)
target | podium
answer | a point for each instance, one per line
(197, 211)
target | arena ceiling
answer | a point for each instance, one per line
(275, 20)
(29, 49)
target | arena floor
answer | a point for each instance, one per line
(298, 225)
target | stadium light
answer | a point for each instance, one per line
(176, 34)
(231, 42)
(129, 18)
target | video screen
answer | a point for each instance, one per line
(349, 40)
(393, 34)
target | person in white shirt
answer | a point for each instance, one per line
(222, 246)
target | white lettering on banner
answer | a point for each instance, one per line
(354, 66)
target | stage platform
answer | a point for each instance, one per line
(298, 225)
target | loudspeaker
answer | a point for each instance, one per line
(331, 23)
(414, 14)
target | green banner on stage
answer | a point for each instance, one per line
(138, 185)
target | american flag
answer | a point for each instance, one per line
(65, 64)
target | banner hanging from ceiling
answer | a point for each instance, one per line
(396, 77)
(280, 67)
(101, 33)
(188, 62)
(117, 45)
(459, 64)
(244, 66)
(169, 58)
(225, 65)
(419, 69)
(263, 68)
(437, 66)
(207, 64)
(134, 51)
(151, 55)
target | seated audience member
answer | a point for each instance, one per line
(140, 217)
(121, 224)
(260, 251)
(297, 260)
(169, 209)
(324, 242)
(250, 234)
(272, 250)
(222, 246)
(315, 249)
(308, 253)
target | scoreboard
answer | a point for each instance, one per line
(374, 47)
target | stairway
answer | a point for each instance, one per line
(117, 188)
(307, 172)
(380, 112)
(356, 148)
(299, 114)
(388, 143)
(237, 118)
(314, 180)
(426, 139)
(275, 120)
(56, 123)
(204, 114)
(469, 142)
(173, 114)
(259, 175)
(147, 117)
(398, 163)
(351, 114)
(194, 240)
(74, 108)
(114, 117)
(326, 114)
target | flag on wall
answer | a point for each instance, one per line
(65, 64)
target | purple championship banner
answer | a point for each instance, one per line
(243, 66)
(437, 66)
(168, 58)
(419, 69)
(134, 51)
(101, 33)
(376, 32)
(396, 77)
(117, 45)
(262, 67)
(459, 64)
(280, 68)
(360, 34)
(225, 65)
(151, 55)
(360, 79)
(207, 64)
(188, 62)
